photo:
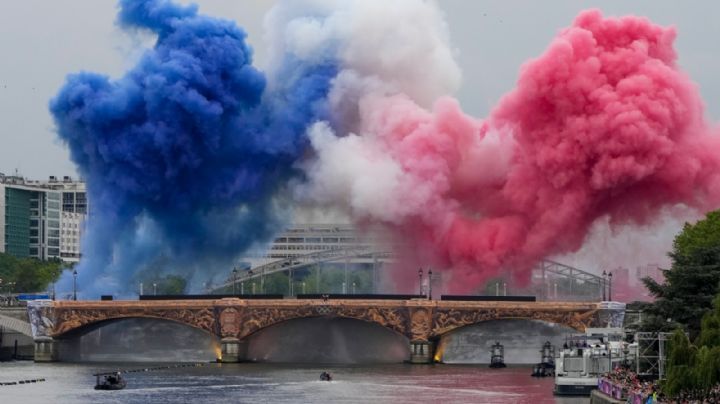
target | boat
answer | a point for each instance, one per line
(110, 381)
(497, 356)
(585, 358)
(546, 367)
(325, 376)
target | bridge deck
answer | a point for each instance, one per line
(145, 304)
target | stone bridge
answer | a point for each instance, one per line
(233, 320)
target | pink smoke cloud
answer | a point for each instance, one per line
(603, 124)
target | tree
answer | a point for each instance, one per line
(681, 360)
(695, 367)
(28, 274)
(692, 281)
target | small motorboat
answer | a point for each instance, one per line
(325, 376)
(497, 356)
(546, 367)
(110, 381)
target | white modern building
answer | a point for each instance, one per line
(303, 239)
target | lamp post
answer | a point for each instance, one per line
(610, 286)
(155, 289)
(74, 284)
(420, 276)
(234, 272)
(430, 284)
(604, 276)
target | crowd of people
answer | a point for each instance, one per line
(699, 397)
(649, 391)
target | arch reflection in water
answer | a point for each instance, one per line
(138, 340)
(522, 340)
(328, 340)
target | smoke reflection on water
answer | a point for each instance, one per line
(522, 340)
(328, 340)
(139, 340)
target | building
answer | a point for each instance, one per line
(305, 239)
(42, 219)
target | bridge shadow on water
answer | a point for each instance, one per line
(521, 338)
(138, 340)
(328, 340)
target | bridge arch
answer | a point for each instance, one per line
(241, 324)
(447, 320)
(66, 319)
(90, 326)
(17, 325)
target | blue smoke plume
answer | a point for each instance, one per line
(187, 155)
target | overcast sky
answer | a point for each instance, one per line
(41, 41)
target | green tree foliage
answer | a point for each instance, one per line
(695, 367)
(702, 235)
(681, 360)
(693, 280)
(710, 330)
(28, 274)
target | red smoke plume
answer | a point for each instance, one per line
(603, 123)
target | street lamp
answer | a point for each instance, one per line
(74, 284)
(155, 289)
(420, 276)
(604, 276)
(610, 286)
(430, 284)
(234, 272)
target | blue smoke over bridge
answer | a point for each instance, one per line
(186, 156)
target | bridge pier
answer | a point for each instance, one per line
(233, 350)
(46, 349)
(421, 352)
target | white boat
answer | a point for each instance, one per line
(584, 358)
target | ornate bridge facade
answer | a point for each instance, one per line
(233, 320)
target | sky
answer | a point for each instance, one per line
(42, 41)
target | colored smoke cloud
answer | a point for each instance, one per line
(602, 125)
(187, 155)
(194, 155)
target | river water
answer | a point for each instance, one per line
(278, 383)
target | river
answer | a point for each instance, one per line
(278, 383)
